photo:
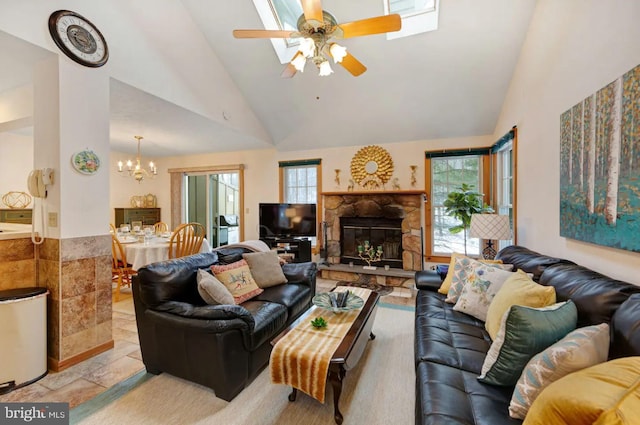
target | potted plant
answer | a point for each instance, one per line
(461, 204)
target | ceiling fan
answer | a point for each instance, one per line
(318, 29)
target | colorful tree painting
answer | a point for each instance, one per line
(599, 166)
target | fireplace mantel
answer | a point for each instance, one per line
(375, 192)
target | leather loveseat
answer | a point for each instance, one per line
(450, 346)
(223, 347)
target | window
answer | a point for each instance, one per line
(300, 183)
(418, 16)
(504, 192)
(447, 174)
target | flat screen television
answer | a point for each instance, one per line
(287, 220)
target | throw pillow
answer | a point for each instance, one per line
(446, 283)
(463, 267)
(212, 290)
(482, 285)
(607, 393)
(265, 268)
(519, 289)
(524, 332)
(238, 280)
(578, 350)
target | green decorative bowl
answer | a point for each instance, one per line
(323, 300)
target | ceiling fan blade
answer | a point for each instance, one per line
(312, 10)
(353, 65)
(289, 71)
(370, 26)
(264, 34)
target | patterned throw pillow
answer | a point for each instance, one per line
(524, 332)
(446, 282)
(238, 280)
(463, 267)
(482, 285)
(604, 394)
(213, 291)
(580, 349)
(519, 289)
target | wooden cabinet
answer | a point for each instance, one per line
(22, 216)
(148, 216)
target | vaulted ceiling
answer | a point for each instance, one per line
(441, 84)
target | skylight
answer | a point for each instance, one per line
(418, 16)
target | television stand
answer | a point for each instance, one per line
(298, 248)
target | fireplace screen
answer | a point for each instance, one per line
(380, 232)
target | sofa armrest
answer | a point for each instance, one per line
(304, 273)
(428, 279)
(217, 315)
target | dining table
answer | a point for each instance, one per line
(151, 250)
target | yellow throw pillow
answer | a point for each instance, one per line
(446, 283)
(608, 393)
(519, 289)
(238, 280)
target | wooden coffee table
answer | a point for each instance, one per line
(348, 352)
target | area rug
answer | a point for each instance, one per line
(379, 390)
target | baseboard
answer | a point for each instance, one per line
(60, 365)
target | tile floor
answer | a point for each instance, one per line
(89, 378)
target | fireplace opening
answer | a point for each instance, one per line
(379, 232)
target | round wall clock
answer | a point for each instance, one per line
(78, 38)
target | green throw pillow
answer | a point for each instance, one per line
(524, 332)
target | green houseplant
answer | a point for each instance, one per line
(461, 204)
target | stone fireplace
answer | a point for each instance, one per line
(393, 218)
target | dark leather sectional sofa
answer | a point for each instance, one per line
(450, 346)
(223, 347)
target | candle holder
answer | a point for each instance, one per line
(413, 175)
(337, 177)
(370, 254)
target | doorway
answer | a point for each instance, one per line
(213, 199)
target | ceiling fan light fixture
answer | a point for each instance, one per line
(325, 68)
(299, 61)
(307, 47)
(338, 52)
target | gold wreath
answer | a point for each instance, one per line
(383, 160)
(16, 199)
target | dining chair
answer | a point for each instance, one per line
(186, 240)
(160, 227)
(121, 270)
(112, 229)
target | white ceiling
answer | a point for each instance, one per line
(442, 84)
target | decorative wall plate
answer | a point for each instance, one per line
(16, 200)
(85, 162)
(371, 167)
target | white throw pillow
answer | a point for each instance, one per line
(578, 350)
(212, 290)
(483, 282)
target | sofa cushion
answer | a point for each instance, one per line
(477, 293)
(432, 304)
(238, 280)
(448, 277)
(447, 395)
(626, 326)
(212, 290)
(596, 296)
(519, 289)
(265, 268)
(525, 332)
(578, 350)
(528, 260)
(269, 318)
(608, 393)
(295, 297)
(464, 268)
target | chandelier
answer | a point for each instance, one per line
(136, 171)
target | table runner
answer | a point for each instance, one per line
(301, 358)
